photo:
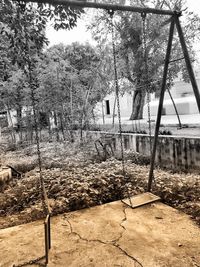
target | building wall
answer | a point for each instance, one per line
(183, 96)
(181, 92)
(125, 107)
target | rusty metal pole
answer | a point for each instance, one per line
(187, 61)
(114, 7)
(160, 106)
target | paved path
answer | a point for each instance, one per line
(190, 123)
(191, 120)
(109, 235)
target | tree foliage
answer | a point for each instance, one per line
(22, 28)
(71, 79)
(65, 82)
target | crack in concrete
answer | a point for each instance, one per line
(82, 238)
(136, 262)
(110, 243)
(121, 225)
(125, 216)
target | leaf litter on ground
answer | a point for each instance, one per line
(76, 179)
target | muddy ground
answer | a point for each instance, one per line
(75, 178)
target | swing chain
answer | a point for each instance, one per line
(41, 181)
(117, 90)
(42, 186)
(111, 13)
(143, 15)
(33, 86)
(31, 262)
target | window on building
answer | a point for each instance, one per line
(107, 107)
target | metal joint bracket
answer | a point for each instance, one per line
(110, 12)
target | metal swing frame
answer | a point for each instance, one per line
(174, 21)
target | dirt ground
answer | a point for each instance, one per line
(109, 235)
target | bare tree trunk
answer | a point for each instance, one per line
(56, 125)
(93, 116)
(103, 115)
(12, 133)
(114, 107)
(49, 125)
(68, 123)
(29, 127)
(62, 125)
(137, 105)
(84, 117)
(40, 130)
(19, 122)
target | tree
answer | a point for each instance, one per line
(129, 37)
(55, 80)
(71, 80)
(22, 27)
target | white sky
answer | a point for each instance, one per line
(194, 5)
(76, 34)
(81, 35)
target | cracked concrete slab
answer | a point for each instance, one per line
(113, 234)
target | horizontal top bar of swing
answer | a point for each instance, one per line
(105, 6)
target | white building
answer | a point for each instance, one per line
(183, 96)
(181, 92)
(105, 109)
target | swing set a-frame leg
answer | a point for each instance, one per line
(175, 21)
(160, 106)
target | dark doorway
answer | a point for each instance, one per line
(107, 107)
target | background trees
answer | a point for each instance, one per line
(63, 84)
(22, 28)
(71, 81)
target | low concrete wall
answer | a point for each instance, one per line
(173, 152)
